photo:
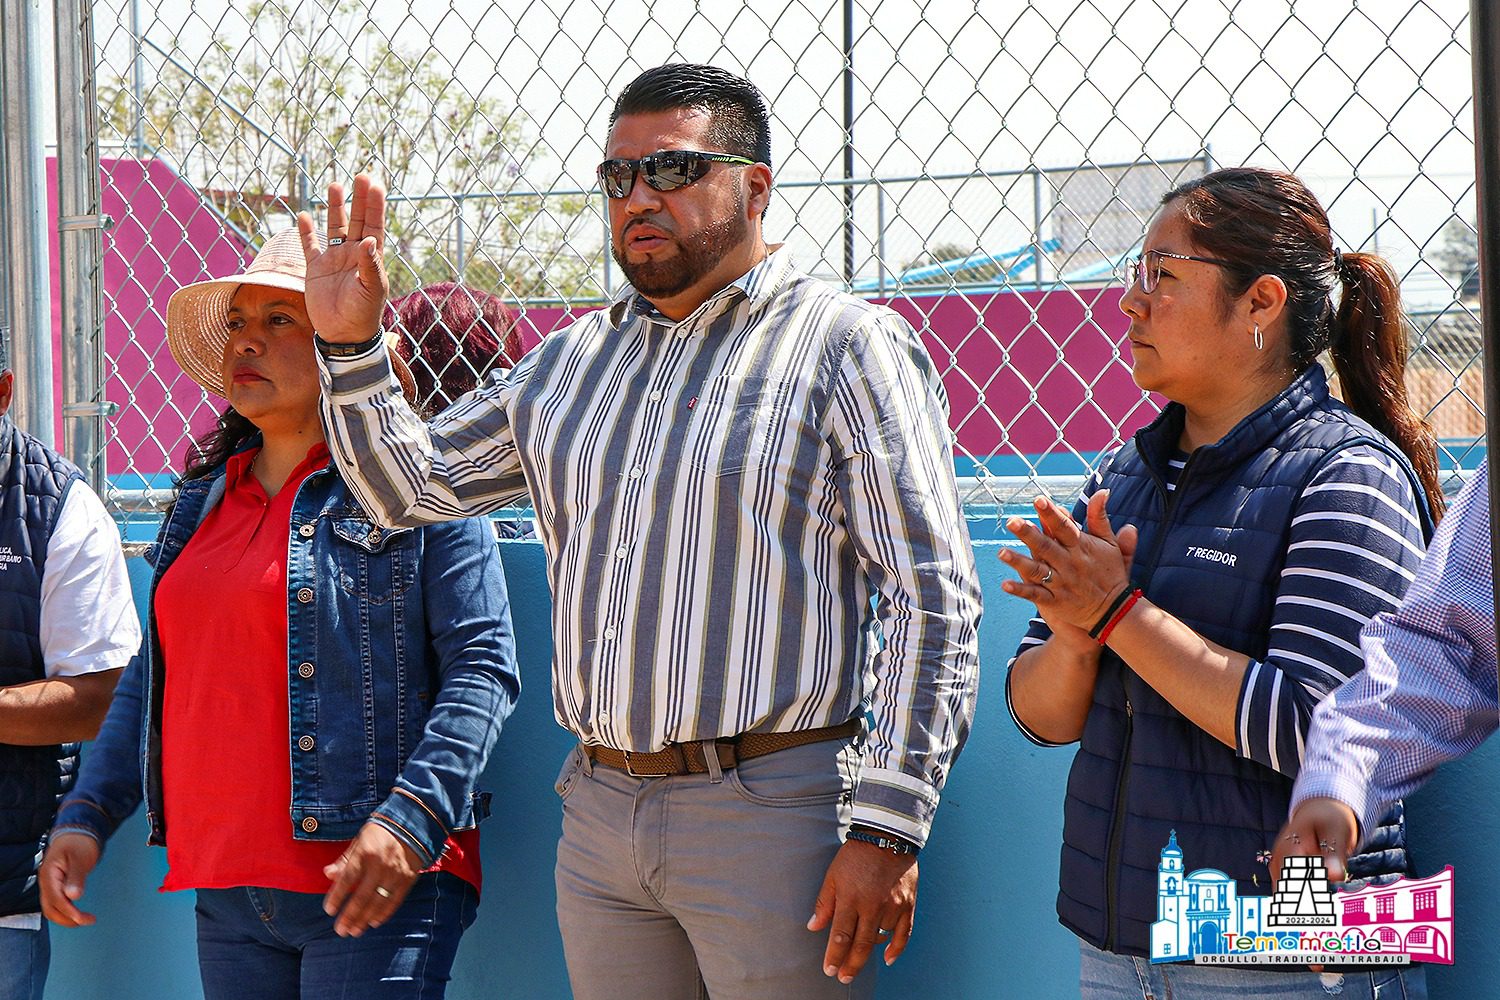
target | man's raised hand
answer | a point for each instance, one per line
(347, 285)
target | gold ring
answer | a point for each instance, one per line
(382, 892)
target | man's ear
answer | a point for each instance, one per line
(7, 390)
(758, 189)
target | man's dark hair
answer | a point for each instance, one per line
(738, 120)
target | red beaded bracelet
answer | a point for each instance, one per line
(1135, 595)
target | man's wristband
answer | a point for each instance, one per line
(331, 350)
(884, 841)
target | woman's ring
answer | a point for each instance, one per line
(382, 892)
(334, 241)
(1046, 577)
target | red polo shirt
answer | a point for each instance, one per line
(226, 756)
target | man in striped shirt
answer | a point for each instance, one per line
(1427, 694)
(727, 464)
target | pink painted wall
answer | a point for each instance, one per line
(163, 237)
(1028, 373)
(1023, 370)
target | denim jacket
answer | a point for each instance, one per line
(401, 668)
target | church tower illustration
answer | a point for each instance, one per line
(1196, 910)
(1169, 870)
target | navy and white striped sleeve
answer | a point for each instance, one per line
(1356, 542)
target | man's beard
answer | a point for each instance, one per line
(697, 255)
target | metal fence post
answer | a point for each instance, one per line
(24, 170)
(848, 142)
(1484, 22)
(80, 252)
(1036, 222)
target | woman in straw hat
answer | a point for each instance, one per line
(316, 697)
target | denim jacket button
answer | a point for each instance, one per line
(309, 824)
(304, 670)
(305, 595)
(374, 536)
(307, 531)
(305, 743)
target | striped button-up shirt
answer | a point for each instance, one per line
(720, 498)
(1427, 693)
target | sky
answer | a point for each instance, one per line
(1369, 104)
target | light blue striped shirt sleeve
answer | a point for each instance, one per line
(1428, 691)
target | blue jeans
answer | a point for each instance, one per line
(23, 962)
(1103, 975)
(271, 944)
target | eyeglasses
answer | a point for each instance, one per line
(667, 170)
(1146, 269)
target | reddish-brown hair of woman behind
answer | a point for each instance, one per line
(451, 337)
(1268, 222)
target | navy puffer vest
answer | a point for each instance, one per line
(1142, 768)
(33, 482)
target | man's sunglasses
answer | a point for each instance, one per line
(667, 170)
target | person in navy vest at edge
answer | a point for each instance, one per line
(727, 463)
(310, 713)
(1209, 588)
(67, 628)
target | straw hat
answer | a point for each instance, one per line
(198, 314)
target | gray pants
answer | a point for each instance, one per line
(689, 887)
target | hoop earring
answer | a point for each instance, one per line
(1260, 341)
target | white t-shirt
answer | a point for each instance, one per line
(88, 617)
(88, 621)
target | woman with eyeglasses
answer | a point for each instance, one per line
(1209, 588)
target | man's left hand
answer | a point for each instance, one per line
(370, 880)
(347, 286)
(867, 894)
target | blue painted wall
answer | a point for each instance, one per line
(986, 927)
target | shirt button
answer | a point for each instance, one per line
(306, 531)
(304, 670)
(682, 333)
(309, 824)
(621, 552)
(305, 743)
(603, 718)
(305, 595)
(609, 633)
(635, 473)
(656, 396)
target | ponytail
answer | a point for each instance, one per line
(1369, 347)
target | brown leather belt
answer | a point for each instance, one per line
(687, 758)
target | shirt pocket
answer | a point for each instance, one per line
(374, 564)
(735, 424)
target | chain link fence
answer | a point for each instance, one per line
(983, 167)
